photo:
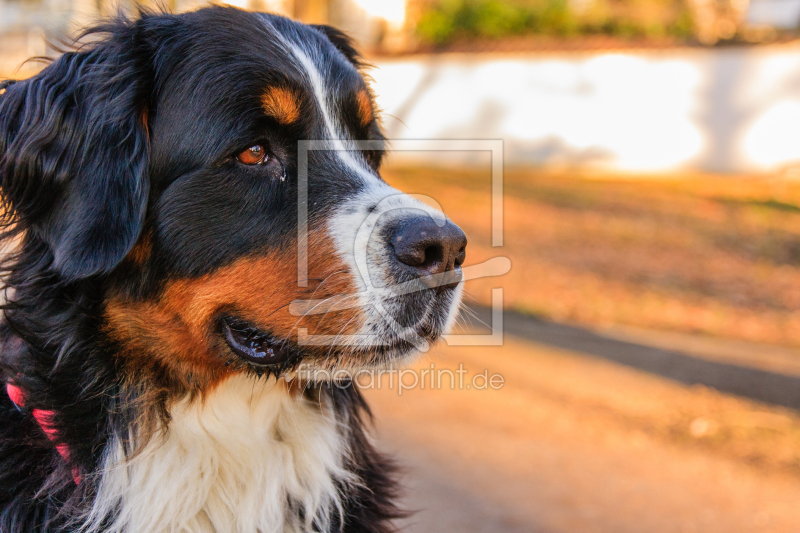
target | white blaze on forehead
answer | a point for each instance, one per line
(320, 91)
(336, 134)
(311, 64)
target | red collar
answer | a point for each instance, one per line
(45, 420)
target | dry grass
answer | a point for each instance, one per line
(712, 255)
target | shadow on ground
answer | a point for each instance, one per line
(753, 383)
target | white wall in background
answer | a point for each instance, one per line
(775, 13)
(720, 110)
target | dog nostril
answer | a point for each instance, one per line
(428, 248)
(462, 254)
(433, 255)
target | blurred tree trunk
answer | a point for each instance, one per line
(716, 20)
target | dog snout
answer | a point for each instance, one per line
(432, 252)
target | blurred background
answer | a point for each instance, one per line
(651, 338)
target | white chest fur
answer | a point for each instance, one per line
(231, 463)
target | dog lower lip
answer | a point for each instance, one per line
(252, 345)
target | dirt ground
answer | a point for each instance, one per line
(571, 443)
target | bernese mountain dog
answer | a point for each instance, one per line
(186, 288)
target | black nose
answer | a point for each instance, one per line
(423, 246)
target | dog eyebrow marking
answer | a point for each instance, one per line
(281, 104)
(364, 107)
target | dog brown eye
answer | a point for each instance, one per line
(254, 155)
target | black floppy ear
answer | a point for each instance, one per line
(74, 152)
(343, 42)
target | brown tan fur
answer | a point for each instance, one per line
(281, 104)
(174, 330)
(140, 253)
(365, 110)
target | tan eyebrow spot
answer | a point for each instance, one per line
(364, 107)
(281, 104)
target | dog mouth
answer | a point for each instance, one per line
(256, 346)
(410, 327)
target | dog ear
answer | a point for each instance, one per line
(74, 153)
(343, 42)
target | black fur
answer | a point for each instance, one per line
(130, 137)
(75, 154)
(369, 503)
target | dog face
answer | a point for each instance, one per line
(164, 165)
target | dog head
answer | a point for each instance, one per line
(212, 180)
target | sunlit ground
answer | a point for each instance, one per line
(573, 443)
(696, 254)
